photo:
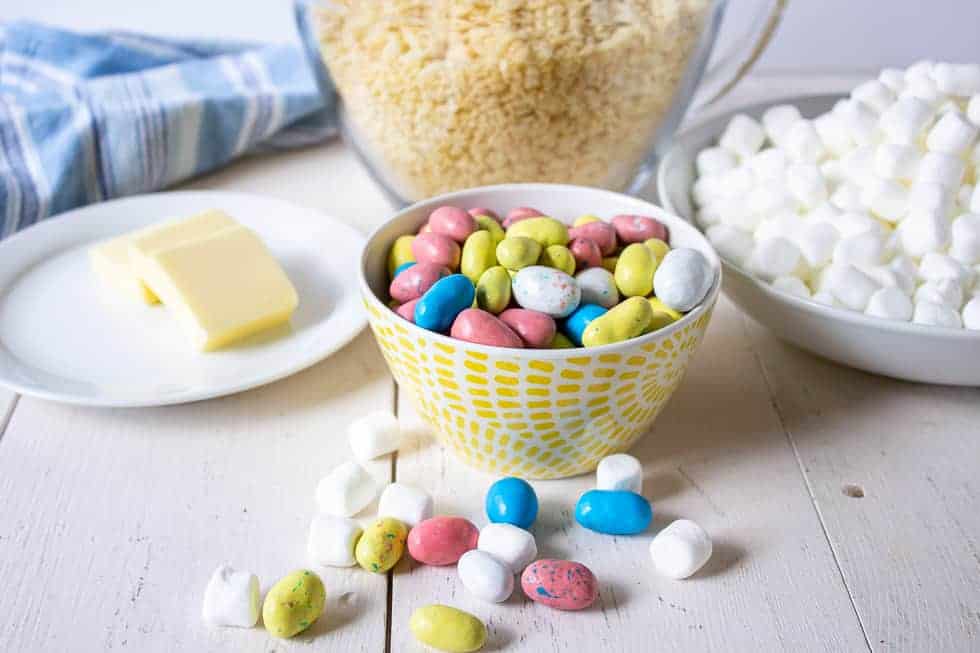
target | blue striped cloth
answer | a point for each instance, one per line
(86, 117)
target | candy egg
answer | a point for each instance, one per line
(483, 328)
(401, 268)
(512, 500)
(601, 233)
(400, 252)
(657, 247)
(436, 248)
(536, 329)
(609, 263)
(637, 228)
(442, 540)
(446, 299)
(486, 223)
(513, 546)
(448, 629)
(546, 290)
(407, 310)
(479, 255)
(622, 322)
(561, 341)
(520, 213)
(293, 604)
(477, 212)
(493, 290)
(517, 252)
(598, 286)
(585, 219)
(575, 324)
(546, 231)
(381, 545)
(452, 221)
(558, 257)
(634, 271)
(485, 577)
(413, 282)
(586, 253)
(663, 315)
(561, 584)
(613, 512)
(683, 279)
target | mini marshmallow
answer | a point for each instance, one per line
(714, 161)
(847, 197)
(924, 232)
(738, 181)
(852, 223)
(405, 503)
(772, 258)
(893, 78)
(964, 196)
(332, 539)
(485, 577)
(874, 94)
(513, 546)
(893, 161)
(816, 242)
(802, 142)
(346, 490)
(231, 598)
(861, 121)
(743, 136)
(885, 277)
(806, 185)
(791, 285)
(709, 189)
(891, 304)
(887, 199)
(952, 134)
(832, 171)
(862, 249)
(826, 298)
(732, 243)
(974, 204)
(935, 266)
(859, 165)
(962, 80)
(619, 472)
(903, 121)
(932, 314)
(833, 132)
(921, 69)
(929, 197)
(784, 225)
(965, 238)
(946, 292)
(711, 214)
(971, 314)
(768, 165)
(905, 272)
(375, 434)
(680, 549)
(942, 169)
(735, 212)
(776, 120)
(923, 87)
(849, 285)
(973, 110)
(769, 198)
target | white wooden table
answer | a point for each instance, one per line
(111, 521)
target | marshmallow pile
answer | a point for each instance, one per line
(873, 206)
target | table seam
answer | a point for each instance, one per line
(8, 415)
(390, 582)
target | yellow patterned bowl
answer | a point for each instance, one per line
(530, 412)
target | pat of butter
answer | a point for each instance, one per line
(110, 259)
(221, 288)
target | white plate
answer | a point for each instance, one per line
(902, 350)
(64, 336)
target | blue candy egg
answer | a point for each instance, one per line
(441, 303)
(512, 501)
(575, 324)
(401, 268)
(614, 512)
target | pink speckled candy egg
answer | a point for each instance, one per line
(586, 252)
(602, 234)
(637, 228)
(452, 221)
(407, 310)
(520, 213)
(482, 211)
(483, 328)
(413, 282)
(546, 290)
(536, 329)
(561, 584)
(442, 540)
(436, 248)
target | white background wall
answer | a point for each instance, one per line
(816, 35)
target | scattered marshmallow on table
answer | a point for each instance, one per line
(485, 577)
(375, 434)
(332, 539)
(619, 471)
(680, 549)
(405, 503)
(231, 598)
(346, 490)
(513, 546)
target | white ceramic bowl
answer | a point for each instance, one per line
(535, 413)
(902, 350)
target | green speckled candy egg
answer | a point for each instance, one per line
(381, 545)
(293, 603)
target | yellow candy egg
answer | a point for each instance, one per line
(516, 252)
(381, 545)
(663, 315)
(559, 257)
(585, 219)
(493, 290)
(561, 341)
(545, 231)
(400, 253)
(622, 322)
(657, 247)
(448, 629)
(479, 255)
(293, 603)
(610, 263)
(634, 271)
(486, 223)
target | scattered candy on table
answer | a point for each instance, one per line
(561, 584)
(447, 629)
(535, 279)
(512, 501)
(373, 435)
(614, 512)
(231, 598)
(332, 540)
(346, 490)
(442, 540)
(381, 545)
(619, 471)
(511, 545)
(680, 549)
(405, 503)
(485, 577)
(293, 604)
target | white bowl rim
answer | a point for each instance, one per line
(807, 305)
(709, 300)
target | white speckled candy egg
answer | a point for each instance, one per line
(598, 286)
(683, 279)
(548, 290)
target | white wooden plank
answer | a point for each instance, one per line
(717, 455)
(8, 400)
(910, 548)
(111, 521)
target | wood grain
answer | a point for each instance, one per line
(111, 521)
(717, 455)
(909, 548)
(8, 401)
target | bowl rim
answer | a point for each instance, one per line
(690, 317)
(716, 123)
